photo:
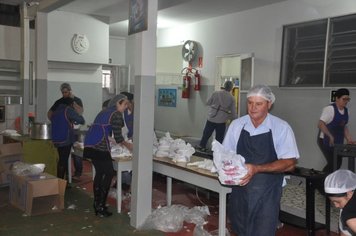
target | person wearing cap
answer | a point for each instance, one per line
(340, 187)
(62, 120)
(66, 91)
(97, 147)
(269, 147)
(333, 128)
(222, 107)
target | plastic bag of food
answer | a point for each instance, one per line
(230, 166)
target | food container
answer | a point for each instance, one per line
(40, 131)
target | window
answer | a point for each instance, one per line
(320, 53)
(106, 78)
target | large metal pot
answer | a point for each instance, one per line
(40, 131)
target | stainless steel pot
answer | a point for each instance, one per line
(40, 131)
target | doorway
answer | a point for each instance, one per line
(238, 68)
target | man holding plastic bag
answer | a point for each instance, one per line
(268, 146)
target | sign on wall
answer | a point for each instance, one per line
(167, 97)
(137, 16)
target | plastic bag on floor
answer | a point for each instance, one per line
(171, 218)
(166, 219)
(200, 231)
(197, 215)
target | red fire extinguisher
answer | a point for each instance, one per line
(197, 81)
(186, 85)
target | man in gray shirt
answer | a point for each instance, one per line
(222, 107)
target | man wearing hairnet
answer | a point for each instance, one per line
(339, 187)
(268, 145)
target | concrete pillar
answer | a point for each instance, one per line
(25, 66)
(41, 68)
(144, 68)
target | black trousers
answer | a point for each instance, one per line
(62, 165)
(209, 128)
(329, 157)
(104, 171)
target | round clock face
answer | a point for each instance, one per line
(80, 43)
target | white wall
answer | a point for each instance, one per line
(10, 43)
(61, 28)
(117, 52)
(258, 31)
(82, 71)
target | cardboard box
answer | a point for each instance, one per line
(39, 194)
(9, 154)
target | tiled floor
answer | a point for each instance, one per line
(189, 196)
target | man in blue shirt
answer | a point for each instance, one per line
(268, 145)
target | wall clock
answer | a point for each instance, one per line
(80, 43)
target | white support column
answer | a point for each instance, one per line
(41, 67)
(144, 68)
(25, 65)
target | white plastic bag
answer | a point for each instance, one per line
(230, 166)
(166, 219)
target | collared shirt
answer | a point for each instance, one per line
(283, 136)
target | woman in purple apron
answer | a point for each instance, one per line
(268, 145)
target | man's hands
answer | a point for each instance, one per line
(251, 171)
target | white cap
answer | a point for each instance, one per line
(262, 91)
(340, 181)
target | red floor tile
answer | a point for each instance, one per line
(186, 195)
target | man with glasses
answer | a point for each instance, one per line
(333, 128)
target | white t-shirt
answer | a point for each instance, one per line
(327, 116)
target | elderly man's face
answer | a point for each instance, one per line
(257, 108)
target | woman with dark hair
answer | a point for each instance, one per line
(62, 120)
(340, 187)
(333, 128)
(97, 147)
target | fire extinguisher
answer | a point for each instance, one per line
(186, 85)
(197, 81)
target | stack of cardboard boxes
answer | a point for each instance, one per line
(34, 194)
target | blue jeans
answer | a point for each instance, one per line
(78, 165)
(209, 128)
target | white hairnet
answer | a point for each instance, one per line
(115, 99)
(340, 181)
(262, 91)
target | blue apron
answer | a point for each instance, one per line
(336, 127)
(100, 129)
(254, 208)
(61, 127)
